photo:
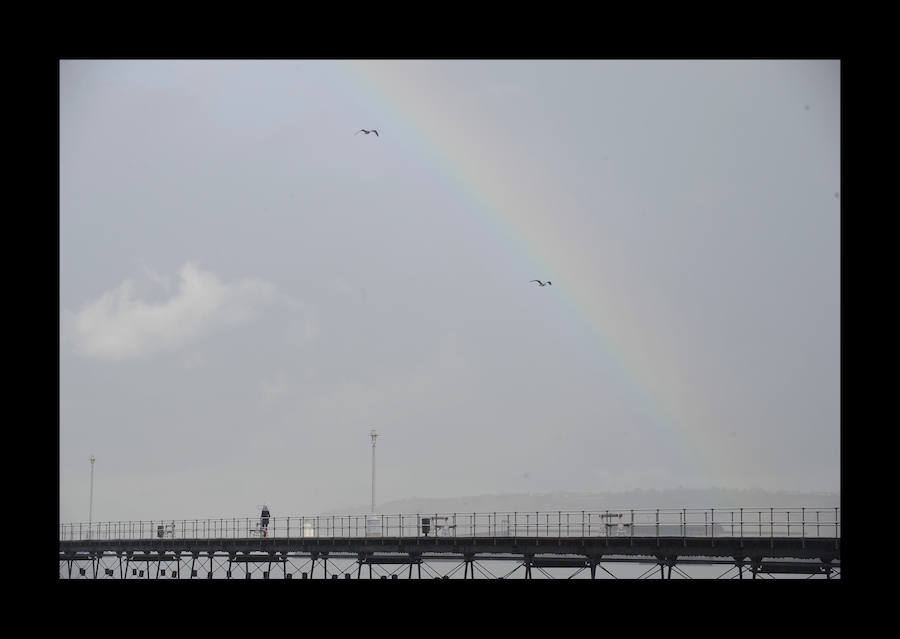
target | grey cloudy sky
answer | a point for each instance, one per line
(247, 287)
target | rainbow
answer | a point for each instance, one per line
(480, 168)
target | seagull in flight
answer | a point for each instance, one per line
(367, 132)
(542, 283)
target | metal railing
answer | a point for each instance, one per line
(686, 522)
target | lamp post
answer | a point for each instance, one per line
(91, 507)
(373, 435)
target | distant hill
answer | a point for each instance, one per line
(635, 499)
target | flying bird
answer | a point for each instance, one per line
(542, 283)
(367, 132)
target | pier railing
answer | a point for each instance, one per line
(685, 522)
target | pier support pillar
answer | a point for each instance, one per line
(663, 562)
(754, 565)
(740, 563)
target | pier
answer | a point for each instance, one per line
(745, 542)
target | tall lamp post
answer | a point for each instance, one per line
(91, 507)
(373, 435)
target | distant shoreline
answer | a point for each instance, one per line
(634, 499)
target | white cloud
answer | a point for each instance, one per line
(117, 326)
(156, 278)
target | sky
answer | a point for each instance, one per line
(248, 285)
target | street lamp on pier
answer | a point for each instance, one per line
(91, 507)
(373, 435)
